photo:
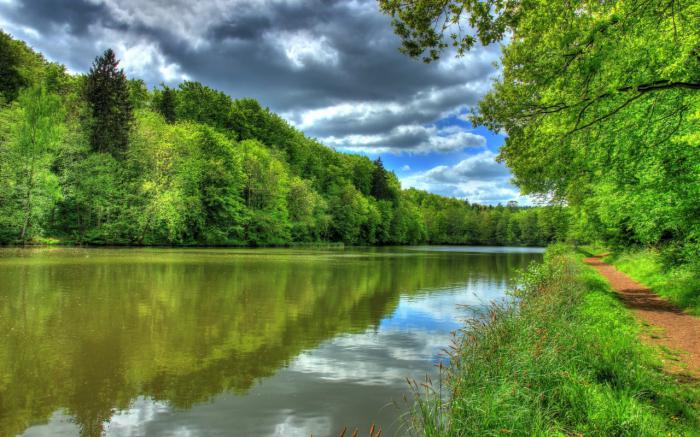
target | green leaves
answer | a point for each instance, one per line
(33, 129)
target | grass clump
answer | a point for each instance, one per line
(680, 284)
(563, 357)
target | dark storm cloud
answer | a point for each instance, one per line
(51, 15)
(309, 60)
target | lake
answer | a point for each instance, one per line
(190, 342)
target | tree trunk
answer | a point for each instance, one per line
(28, 203)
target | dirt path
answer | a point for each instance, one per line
(671, 328)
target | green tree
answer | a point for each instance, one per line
(265, 190)
(307, 211)
(95, 202)
(381, 190)
(11, 80)
(199, 103)
(36, 127)
(349, 210)
(166, 104)
(165, 163)
(107, 95)
(138, 93)
(222, 182)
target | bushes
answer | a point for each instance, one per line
(562, 357)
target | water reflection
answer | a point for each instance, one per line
(211, 342)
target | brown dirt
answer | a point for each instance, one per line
(672, 329)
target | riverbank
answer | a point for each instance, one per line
(566, 360)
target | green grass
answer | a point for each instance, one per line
(679, 284)
(566, 360)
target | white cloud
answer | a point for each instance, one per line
(133, 420)
(293, 425)
(396, 126)
(478, 178)
(412, 139)
(140, 58)
(425, 106)
(302, 47)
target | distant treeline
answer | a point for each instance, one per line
(100, 159)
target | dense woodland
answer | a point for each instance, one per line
(101, 159)
(600, 101)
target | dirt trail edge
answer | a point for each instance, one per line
(677, 331)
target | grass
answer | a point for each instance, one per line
(564, 358)
(678, 284)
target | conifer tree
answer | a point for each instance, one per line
(107, 94)
(380, 182)
(166, 105)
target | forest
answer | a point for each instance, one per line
(100, 159)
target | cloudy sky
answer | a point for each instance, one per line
(331, 67)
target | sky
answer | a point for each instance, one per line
(331, 68)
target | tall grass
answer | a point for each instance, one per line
(562, 358)
(680, 284)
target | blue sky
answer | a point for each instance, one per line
(470, 172)
(330, 67)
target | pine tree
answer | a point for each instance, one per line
(166, 105)
(107, 94)
(380, 182)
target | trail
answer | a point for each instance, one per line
(677, 331)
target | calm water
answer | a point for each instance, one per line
(228, 342)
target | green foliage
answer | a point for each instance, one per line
(307, 211)
(222, 181)
(265, 195)
(11, 80)
(138, 93)
(107, 93)
(94, 195)
(427, 27)
(201, 104)
(349, 209)
(32, 130)
(562, 358)
(166, 105)
(381, 190)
